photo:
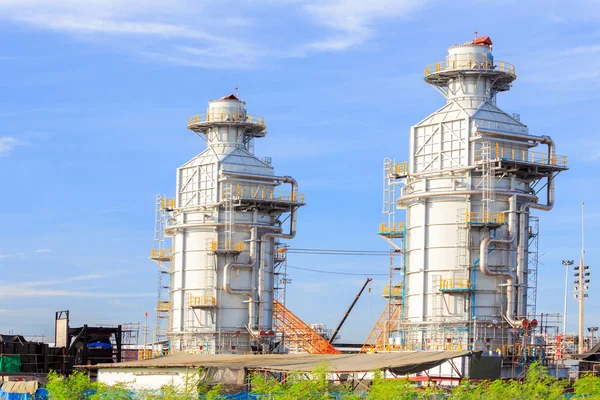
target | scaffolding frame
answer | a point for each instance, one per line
(299, 332)
(393, 233)
(281, 281)
(161, 255)
(533, 264)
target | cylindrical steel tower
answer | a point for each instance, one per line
(467, 193)
(226, 217)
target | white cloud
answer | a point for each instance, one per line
(205, 34)
(354, 20)
(33, 289)
(71, 23)
(125, 304)
(22, 254)
(61, 280)
(581, 50)
(8, 143)
(14, 292)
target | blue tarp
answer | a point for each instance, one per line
(40, 394)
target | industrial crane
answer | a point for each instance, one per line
(336, 331)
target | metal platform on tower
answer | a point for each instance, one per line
(518, 159)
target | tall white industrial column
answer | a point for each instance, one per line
(467, 193)
(228, 212)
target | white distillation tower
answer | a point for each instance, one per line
(227, 214)
(473, 175)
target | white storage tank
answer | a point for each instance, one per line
(467, 192)
(227, 214)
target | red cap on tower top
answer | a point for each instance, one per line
(484, 41)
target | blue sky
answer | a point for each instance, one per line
(96, 95)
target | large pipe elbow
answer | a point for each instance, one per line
(509, 275)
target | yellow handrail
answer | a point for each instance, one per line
(226, 245)
(162, 306)
(161, 253)
(478, 217)
(396, 290)
(460, 283)
(226, 117)
(513, 154)
(202, 301)
(398, 169)
(260, 193)
(167, 204)
(395, 227)
(462, 65)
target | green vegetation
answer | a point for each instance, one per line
(78, 387)
(538, 385)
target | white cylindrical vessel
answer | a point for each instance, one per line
(226, 218)
(467, 195)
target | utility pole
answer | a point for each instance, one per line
(567, 264)
(581, 283)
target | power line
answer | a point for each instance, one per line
(335, 273)
(338, 252)
(343, 251)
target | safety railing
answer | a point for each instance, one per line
(160, 253)
(167, 204)
(202, 301)
(463, 65)
(519, 350)
(393, 291)
(417, 347)
(512, 154)
(393, 228)
(226, 245)
(148, 354)
(226, 117)
(258, 193)
(162, 306)
(454, 284)
(398, 169)
(475, 217)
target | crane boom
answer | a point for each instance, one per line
(336, 331)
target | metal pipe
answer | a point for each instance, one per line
(522, 243)
(532, 203)
(251, 264)
(265, 236)
(523, 218)
(510, 276)
(506, 193)
(212, 225)
(256, 177)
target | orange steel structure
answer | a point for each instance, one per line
(388, 322)
(299, 332)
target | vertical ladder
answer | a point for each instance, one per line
(281, 281)
(488, 198)
(389, 193)
(161, 255)
(228, 192)
(532, 265)
(462, 245)
(209, 275)
(438, 306)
